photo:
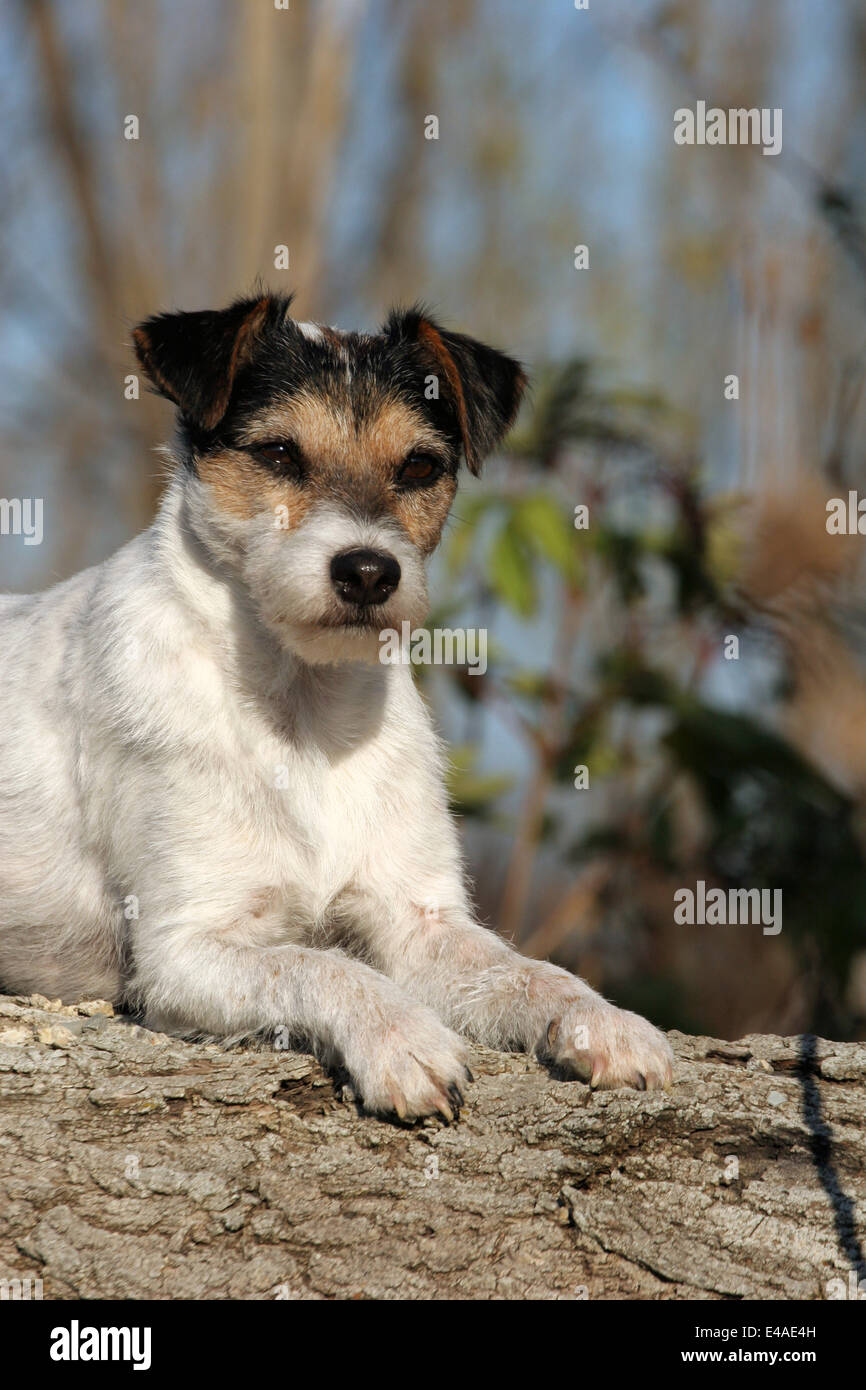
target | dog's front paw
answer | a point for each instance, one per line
(609, 1047)
(414, 1066)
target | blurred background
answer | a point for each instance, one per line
(304, 128)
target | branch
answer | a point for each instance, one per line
(137, 1166)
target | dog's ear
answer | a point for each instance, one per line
(193, 358)
(484, 386)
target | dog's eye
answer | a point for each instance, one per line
(284, 459)
(419, 470)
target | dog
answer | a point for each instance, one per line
(218, 806)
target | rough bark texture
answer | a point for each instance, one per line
(133, 1165)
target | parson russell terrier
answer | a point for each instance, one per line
(216, 803)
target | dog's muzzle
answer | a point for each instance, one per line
(364, 577)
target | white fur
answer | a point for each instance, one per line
(237, 821)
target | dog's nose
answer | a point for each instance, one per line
(364, 576)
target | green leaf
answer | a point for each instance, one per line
(471, 511)
(532, 685)
(546, 527)
(511, 572)
(472, 793)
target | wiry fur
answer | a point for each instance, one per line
(214, 801)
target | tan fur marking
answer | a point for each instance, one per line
(428, 334)
(346, 460)
(240, 353)
(145, 352)
(244, 489)
(330, 436)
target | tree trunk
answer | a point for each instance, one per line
(133, 1165)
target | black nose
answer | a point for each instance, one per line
(364, 576)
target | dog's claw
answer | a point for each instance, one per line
(609, 1047)
(445, 1110)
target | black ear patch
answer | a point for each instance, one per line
(193, 358)
(485, 386)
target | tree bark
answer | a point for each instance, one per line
(134, 1165)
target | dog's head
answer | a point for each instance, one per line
(321, 465)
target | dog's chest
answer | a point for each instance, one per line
(336, 791)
